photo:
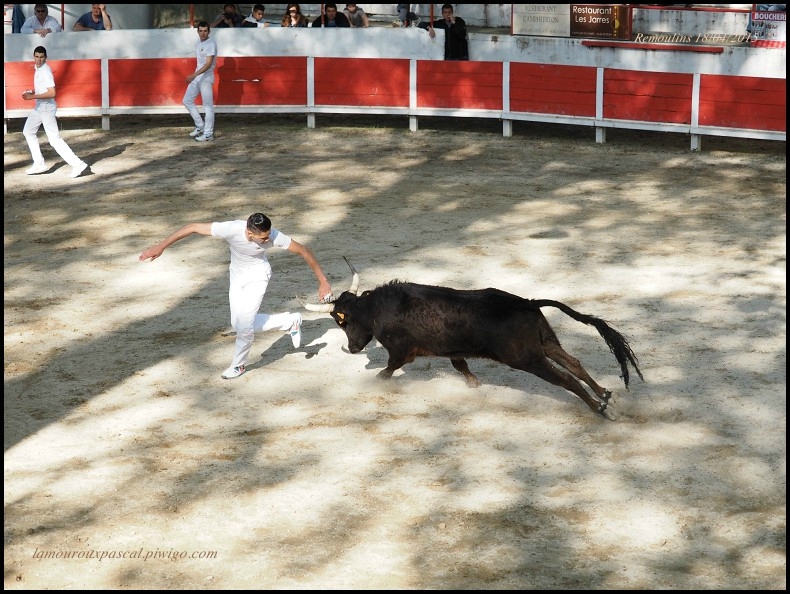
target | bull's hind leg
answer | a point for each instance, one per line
(544, 369)
(556, 353)
(471, 378)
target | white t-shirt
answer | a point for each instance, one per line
(248, 260)
(251, 19)
(204, 49)
(43, 80)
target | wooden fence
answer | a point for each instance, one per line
(601, 98)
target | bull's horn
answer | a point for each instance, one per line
(329, 307)
(354, 278)
(322, 308)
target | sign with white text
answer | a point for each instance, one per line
(608, 21)
(769, 27)
(605, 21)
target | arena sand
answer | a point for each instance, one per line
(129, 463)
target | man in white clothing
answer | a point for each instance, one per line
(45, 113)
(201, 82)
(250, 272)
(41, 23)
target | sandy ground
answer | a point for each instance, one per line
(129, 463)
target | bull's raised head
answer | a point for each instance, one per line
(343, 310)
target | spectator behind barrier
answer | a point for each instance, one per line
(293, 17)
(406, 16)
(455, 44)
(228, 18)
(356, 16)
(98, 19)
(256, 17)
(40, 22)
(331, 18)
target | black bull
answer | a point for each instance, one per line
(411, 320)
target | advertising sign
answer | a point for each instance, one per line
(546, 20)
(769, 27)
(607, 21)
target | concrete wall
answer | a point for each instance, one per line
(691, 22)
(380, 42)
(740, 61)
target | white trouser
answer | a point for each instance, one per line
(245, 300)
(205, 88)
(44, 113)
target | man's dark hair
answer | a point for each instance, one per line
(328, 6)
(204, 24)
(450, 6)
(40, 50)
(260, 7)
(259, 222)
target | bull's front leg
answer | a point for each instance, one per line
(396, 360)
(386, 373)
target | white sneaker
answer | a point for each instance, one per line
(77, 171)
(204, 138)
(232, 372)
(296, 331)
(196, 132)
(37, 168)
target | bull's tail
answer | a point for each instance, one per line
(616, 341)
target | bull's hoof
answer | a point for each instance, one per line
(384, 374)
(473, 382)
(607, 412)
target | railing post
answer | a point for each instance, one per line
(310, 92)
(507, 123)
(696, 139)
(600, 131)
(413, 124)
(105, 94)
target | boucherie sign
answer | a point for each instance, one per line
(769, 28)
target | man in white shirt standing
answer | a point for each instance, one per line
(45, 113)
(41, 23)
(201, 82)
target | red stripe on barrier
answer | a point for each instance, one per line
(459, 85)
(262, 81)
(77, 83)
(552, 89)
(743, 102)
(647, 96)
(362, 82)
(149, 82)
